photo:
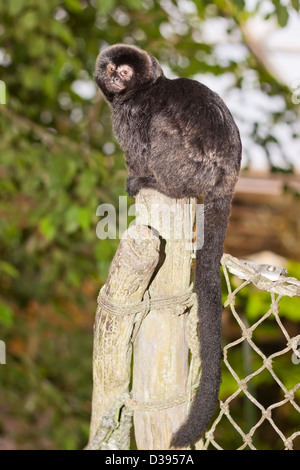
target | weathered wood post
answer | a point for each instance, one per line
(161, 368)
(129, 275)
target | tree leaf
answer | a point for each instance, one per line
(6, 315)
(16, 6)
(72, 219)
(135, 4)
(104, 6)
(239, 4)
(74, 5)
(84, 217)
(9, 269)
(47, 227)
(296, 4)
(281, 12)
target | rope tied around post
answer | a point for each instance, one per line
(184, 301)
(179, 304)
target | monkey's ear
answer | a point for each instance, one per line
(156, 70)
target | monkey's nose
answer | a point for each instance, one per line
(118, 81)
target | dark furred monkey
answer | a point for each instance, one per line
(180, 139)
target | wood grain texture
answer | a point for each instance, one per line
(160, 370)
(128, 278)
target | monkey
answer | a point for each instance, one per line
(180, 139)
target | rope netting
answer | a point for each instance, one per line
(283, 286)
(114, 428)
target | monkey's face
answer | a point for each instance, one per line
(117, 78)
(122, 70)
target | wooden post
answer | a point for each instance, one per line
(161, 368)
(129, 276)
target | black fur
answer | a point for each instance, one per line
(180, 139)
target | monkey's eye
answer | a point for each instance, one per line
(110, 68)
(125, 71)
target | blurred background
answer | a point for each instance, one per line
(59, 161)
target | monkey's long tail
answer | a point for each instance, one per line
(208, 290)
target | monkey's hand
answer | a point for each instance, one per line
(135, 183)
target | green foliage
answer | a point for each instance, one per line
(54, 172)
(6, 315)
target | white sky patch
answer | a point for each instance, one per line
(250, 105)
(86, 89)
(281, 45)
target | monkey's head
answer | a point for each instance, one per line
(123, 70)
